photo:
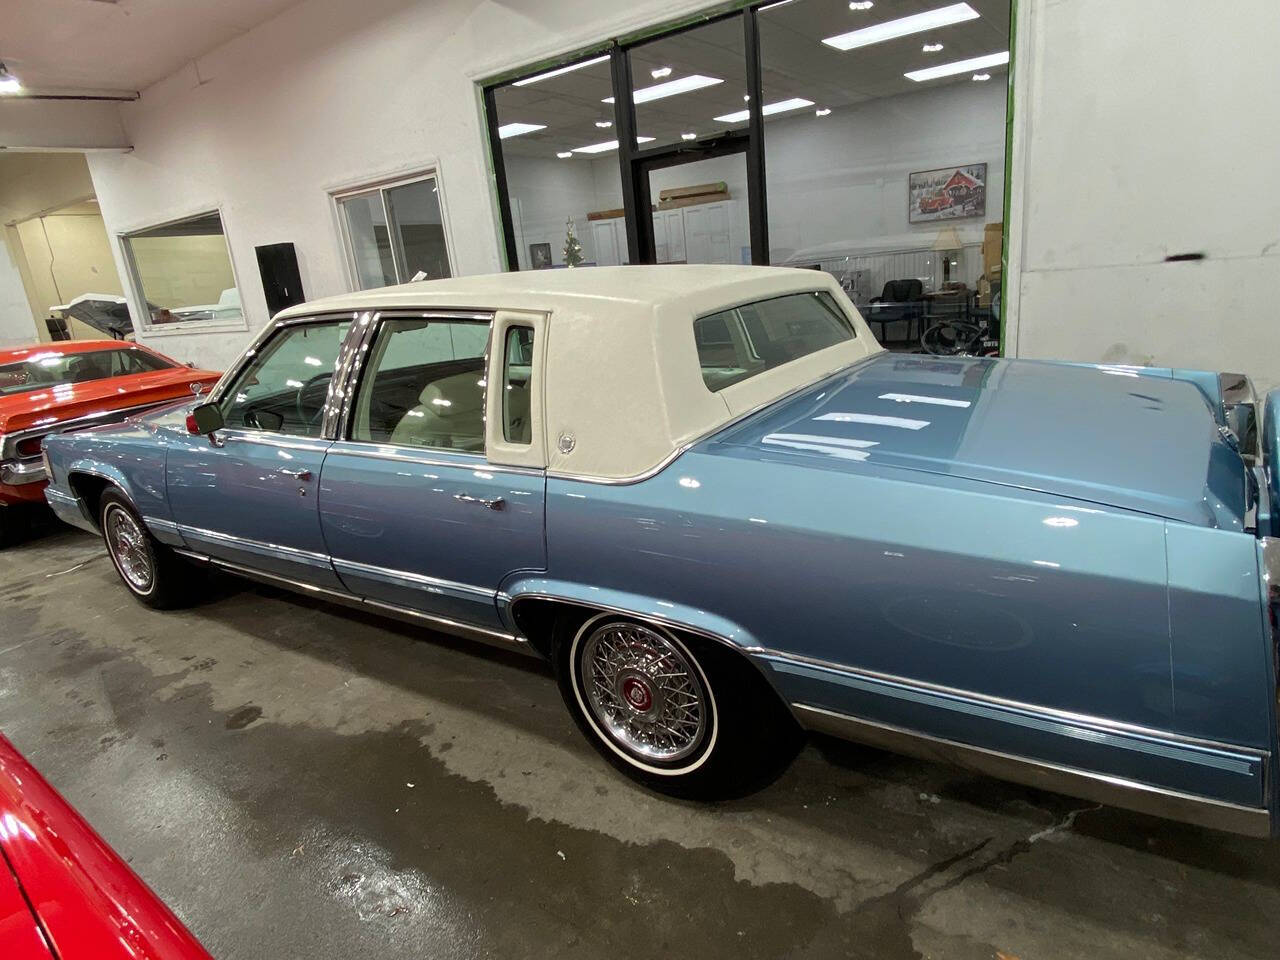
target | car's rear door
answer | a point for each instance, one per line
(434, 491)
(249, 496)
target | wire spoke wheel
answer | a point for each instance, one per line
(128, 545)
(643, 691)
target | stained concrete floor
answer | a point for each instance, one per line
(296, 780)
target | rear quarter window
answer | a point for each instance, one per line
(744, 341)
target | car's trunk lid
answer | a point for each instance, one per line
(1101, 434)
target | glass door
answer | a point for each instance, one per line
(699, 207)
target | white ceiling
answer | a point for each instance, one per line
(795, 63)
(118, 44)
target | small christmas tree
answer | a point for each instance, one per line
(572, 247)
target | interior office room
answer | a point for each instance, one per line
(639, 478)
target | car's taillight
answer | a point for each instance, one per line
(28, 446)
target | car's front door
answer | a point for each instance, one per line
(249, 495)
(414, 512)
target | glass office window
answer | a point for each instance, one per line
(690, 85)
(395, 233)
(560, 155)
(884, 144)
(183, 271)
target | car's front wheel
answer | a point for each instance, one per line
(152, 571)
(681, 715)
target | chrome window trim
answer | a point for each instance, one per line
(267, 438)
(1100, 788)
(402, 454)
(1104, 724)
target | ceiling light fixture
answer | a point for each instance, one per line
(958, 66)
(769, 109)
(660, 73)
(517, 129)
(565, 154)
(539, 77)
(822, 111)
(688, 136)
(903, 26)
(606, 146)
(604, 124)
(981, 76)
(931, 47)
(671, 88)
(861, 4)
(8, 82)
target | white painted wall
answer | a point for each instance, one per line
(1138, 134)
(16, 323)
(327, 95)
(1145, 134)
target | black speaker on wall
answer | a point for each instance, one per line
(281, 282)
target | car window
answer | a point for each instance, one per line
(516, 375)
(52, 369)
(423, 385)
(284, 387)
(736, 344)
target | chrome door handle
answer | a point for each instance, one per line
(497, 503)
(297, 474)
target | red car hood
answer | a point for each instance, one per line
(48, 405)
(67, 894)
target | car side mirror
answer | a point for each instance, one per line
(205, 418)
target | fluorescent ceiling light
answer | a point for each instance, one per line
(861, 4)
(537, 78)
(959, 66)
(822, 112)
(688, 136)
(672, 87)
(564, 154)
(931, 48)
(981, 76)
(660, 73)
(903, 27)
(516, 129)
(604, 124)
(769, 109)
(606, 146)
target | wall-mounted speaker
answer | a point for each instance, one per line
(281, 282)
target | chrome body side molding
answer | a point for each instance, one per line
(443, 624)
(1099, 788)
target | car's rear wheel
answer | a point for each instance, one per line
(152, 571)
(683, 716)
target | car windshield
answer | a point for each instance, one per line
(51, 369)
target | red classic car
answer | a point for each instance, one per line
(52, 387)
(65, 894)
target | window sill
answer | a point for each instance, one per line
(199, 326)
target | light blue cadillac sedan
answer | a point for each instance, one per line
(726, 516)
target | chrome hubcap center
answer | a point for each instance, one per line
(643, 691)
(637, 694)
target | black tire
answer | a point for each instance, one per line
(151, 571)
(734, 733)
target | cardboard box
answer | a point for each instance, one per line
(680, 193)
(992, 249)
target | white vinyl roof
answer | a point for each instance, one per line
(622, 376)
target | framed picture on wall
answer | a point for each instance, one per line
(948, 193)
(540, 256)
